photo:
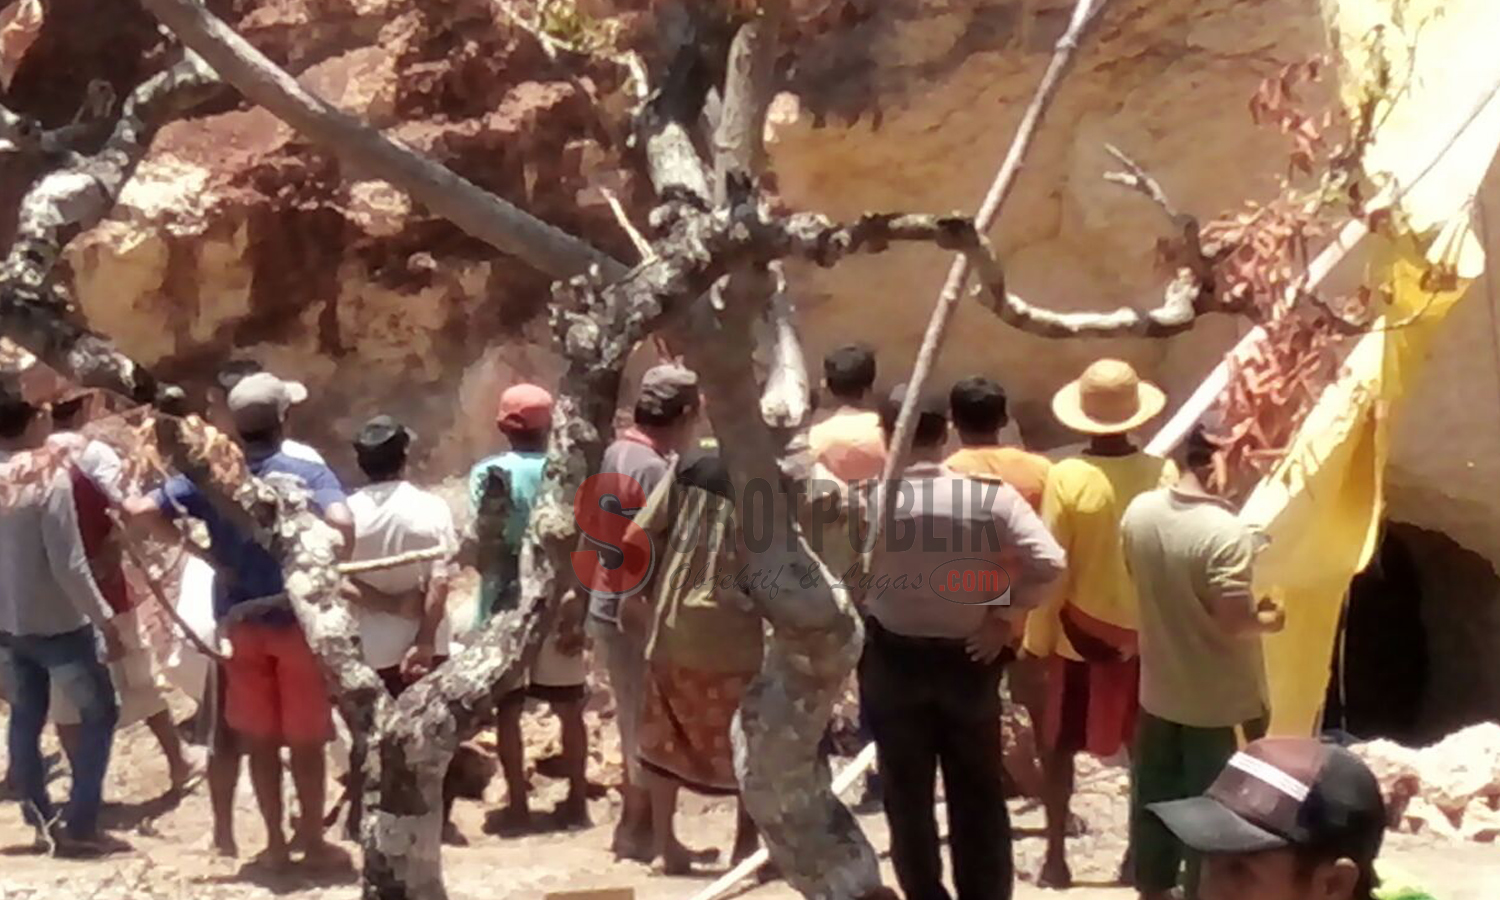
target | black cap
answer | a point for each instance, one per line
(1285, 792)
(382, 431)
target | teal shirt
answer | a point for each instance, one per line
(525, 473)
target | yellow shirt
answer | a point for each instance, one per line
(1083, 503)
(1026, 472)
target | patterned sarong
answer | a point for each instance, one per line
(684, 730)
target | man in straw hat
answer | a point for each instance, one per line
(1087, 633)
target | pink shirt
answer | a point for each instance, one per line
(850, 444)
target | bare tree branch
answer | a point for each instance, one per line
(814, 238)
(1085, 13)
(665, 121)
(73, 198)
(749, 85)
(485, 216)
(785, 401)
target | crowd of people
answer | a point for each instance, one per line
(1126, 626)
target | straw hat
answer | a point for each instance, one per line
(1108, 398)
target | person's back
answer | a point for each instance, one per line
(392, 518)
(1083, 503)
(849, 443)
(980, 410)
(252, 572)
(46, 586)
(947, 525)
(523, 472)
(1184, 553)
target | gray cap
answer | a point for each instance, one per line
(260, 401)
(669, 390)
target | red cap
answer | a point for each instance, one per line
(524, 407)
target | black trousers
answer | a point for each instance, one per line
(929, 705)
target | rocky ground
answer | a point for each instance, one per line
(172, 858)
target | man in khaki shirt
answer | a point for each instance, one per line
(1202, 674)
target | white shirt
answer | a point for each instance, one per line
(390, 518)
(299, 450)
(95, 459)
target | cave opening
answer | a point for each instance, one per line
(1418, 642)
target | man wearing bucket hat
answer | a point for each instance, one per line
(1287, 819)
(524, 418)
(1087, 632)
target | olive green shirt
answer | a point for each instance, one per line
(702, 620)
(1185, 551)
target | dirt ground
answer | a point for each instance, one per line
(172, 858)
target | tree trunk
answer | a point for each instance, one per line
(815, 633)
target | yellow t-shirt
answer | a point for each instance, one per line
(1083, 503)
(1026, 472)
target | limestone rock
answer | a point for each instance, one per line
(1437, 788)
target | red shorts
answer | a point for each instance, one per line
(275, 688)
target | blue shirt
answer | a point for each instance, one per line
(525, 472)
(247, 570)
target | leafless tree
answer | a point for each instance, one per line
(707, 280)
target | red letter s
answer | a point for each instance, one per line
(615, 531)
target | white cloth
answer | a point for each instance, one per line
(186, 667)
(391, 518)
(299, 450)
(95, 459)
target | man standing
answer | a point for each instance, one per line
(1087, 630)
(96, 471)
(704, 649)
(1202, 675)
(979, 412)
(642, 454)
(51, 617)
(195, 674)
(849, 443)
(934, 656)
(275, 695)
(402, 612)
(1287, 819)
(524, 417)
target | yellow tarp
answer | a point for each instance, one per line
(1321, 508)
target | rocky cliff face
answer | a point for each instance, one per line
(239, 237)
